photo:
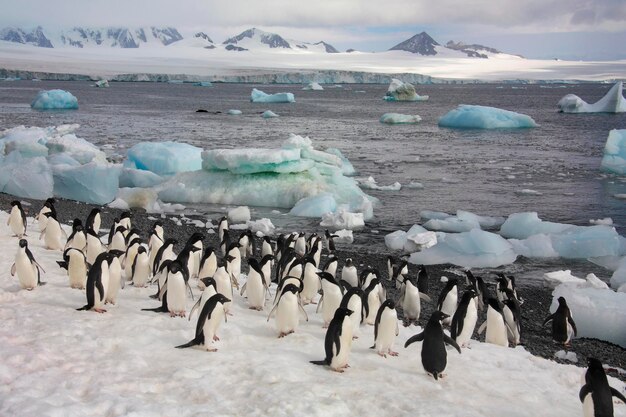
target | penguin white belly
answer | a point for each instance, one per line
(211, 325)
(386, 331)
(224, 286)
(356, 305)
(332, 300)
(52, 236)
(332, 269)
(236, 267)
(176, 297)
(588, 406)
(118, 242)
(373, 304)
(469, 324)
(287, 314)
(340, 358)
(514, 337)
(142, 271)
(41, 219)
(570, 333)
(310, 285)
(94, 248)
(255, 291)
(449, 305)
(77, 271)
(26, 271)
(115, 280)
(16, 223)
(496, 330)
(154, 245)
(194, 265)
(411, 304)
(208, 268)
(350, 276)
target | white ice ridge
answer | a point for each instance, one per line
(399, 119)
(54, 100)
(614, 159)
(313, 86)
(258, 96)
(463, 221)
(612, 102)
(401, 91)
(483, 117)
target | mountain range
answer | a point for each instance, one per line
(251, 39)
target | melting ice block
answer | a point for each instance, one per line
(417, 238)
(165, 158)
(268, 114)
(78, 148)
(618, 279)
(259, 96)
(343, 219)
(91, 183)
(401, 91)
(473, 249)
(614, 159)
(239, 214)
(315, 206)
(313, 86)
(262, 226)
(482, 117)
(612, 102)
(25, 177)
(399, 119)
(523, 225)
(54, 100)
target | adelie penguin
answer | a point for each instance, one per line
(311, 283)
(434, 354)
(27, 269)
(349, 274)
(448, 299)
(353, 300)
(97, 280)
(77, 239)
(332, 293)
(75, 261)
(464, 319)
(497, 330)
(208, 292)
(94, 220)
(563, 326)
(48, 206)
(255, 287)
(17, 219)
(140, 269)
(338, 341)
(53, 234)
(597, 395)
(208, 322)
(287, 311)
(386, 329)
(411, 301)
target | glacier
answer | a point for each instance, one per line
(54, 100)
(614, 159)
(164, 158)
(397, 119)
(612, 102)
(467, 116)
(258, 96)
(401, 91)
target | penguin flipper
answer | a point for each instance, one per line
(306, 316)
(243, 287)
(417, 338)
(447, 339)
(584, 391)
(547, 320)
(195, 307)
(425, 297)
(618, 394)
(319, 303)
(62, 264)
(482, 327)
(13, 269)
(272, 311)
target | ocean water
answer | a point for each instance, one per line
(474, 170)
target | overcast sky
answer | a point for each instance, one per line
(571, 29)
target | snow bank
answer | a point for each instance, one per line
(54, 100)
(164, 158)
(483, 117)
(614, 159)
(612, 102)
(258, 96)
(401, 91)
(313, 86)
(397, 118)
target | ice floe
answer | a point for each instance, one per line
(258, 96)
(164, 158)
(399, 119)
(401, 91)
(313, 86)
(614, 159)
(370, 184)
(343, 219)
(54, 100)
(234, 112)
(268, 114)
(415, 239)
(483, 117)
(612, 102)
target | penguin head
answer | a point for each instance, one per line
(76, 222)
(156, 224)
(23, 243)
(120, 229)
(175, 267)
(342, 312)
(221, 298)
(141, 249)
(208, 282)
(125, 215)
(267, 239)
(594, 363)
(388, 303)
(291, 288)
(348, 262)
(196, 237)
(93, 211)
(495, 304)
(49, 202)
(562, 302)
(15, 203)
(170, 242)
(438, 316)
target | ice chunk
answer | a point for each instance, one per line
(130, 177)
(346, 165)
(429, 214)
(598, 313)
(523, 225)
(618, 279)
(234, 112)
(203, 84)
(54, 100)
(556, 278)
(483, 117)
(473, 249)
(268, 114)
(396, 240)
(62, 159)
(400, 91)
(451, 224)
(343, 219)
(263, 226)
(418, 238)
(566, 356)
(25, 177)
(314, 206)
(596, 282)
(259, 96)
(399, 119)
(343, 236)
(145, 198)
(464, 221)
(102, 84)
(90, 183)
(587, 242)
(370, 183)
(535, 246)
(313, 86)
(485, 222)
(606, 221)
(239, 214)
(165, 158)
(29, 141)
(78, 148)
(614, 159)
(612, 102)
(254, 160)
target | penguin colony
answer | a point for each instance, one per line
(348, 303)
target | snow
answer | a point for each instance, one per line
(239, 214)
(268, 114)
(59, 361)
(313, 86)
(165, 158)
(614, 159)
(397, 118)
(612, 102)
(54, 100)
(401, 91)
(258, 96)
(483, 117)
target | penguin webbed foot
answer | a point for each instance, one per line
(216, 338)
(100, 310)
(392, 353)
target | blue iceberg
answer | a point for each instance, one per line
(130, 177)
(614, 159)
(91, 183)
(482, 117)
(315, 206)
(25, 177)
(164, 158)
(54, 100)
(259, 96)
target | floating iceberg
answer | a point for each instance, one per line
(234, 112)
(370, 184)
(612, 102)
(399, 119)
(343, 219)
(268, 114)
(614, 159)
(25, 177)
(400, 91)
(102, 84)
(482, 117)
(417, 238)
(164, 158)
(91, 183)
(259, 96)
(203, 84)
(54, 100)
(473, 249)
(526, 224)
(313, 86)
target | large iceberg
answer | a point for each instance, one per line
(483, 117)
(399, 119)
(612, 102)
(401, 91)
(258, 96)
(614, 159)
(54, 100)
(91, 183)
(164, 158)
(25, 177)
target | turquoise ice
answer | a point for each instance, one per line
(482, 117)
(54, 100)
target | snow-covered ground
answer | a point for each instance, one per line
(57, 361)
(107, 62)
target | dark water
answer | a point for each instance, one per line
(472, 170)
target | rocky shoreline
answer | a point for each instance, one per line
(535, 338)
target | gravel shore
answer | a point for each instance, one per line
(535, 338)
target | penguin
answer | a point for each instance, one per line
(155, 240)
(386, 329)
(295, 269)
(94, 246)
(165, 252)
(367, 275)
(266, 247)
(17, 219)
(53, 233)
(94, 219)
(411, 301)
(243, 241)
(311, 283)
(118, 239)
(338, 341)
(266, 267)
(513, 319)
(422, 279)
(479, 287)
(129, 257)
(75, 261)
(225, 242)
(448, 299)
(400, 272)
(48, 206)
(195, 240)
(300, 246)
(330, 242)
(208, 322)
(563, 325)
(177, 284)
(372, 300)
(208, 263)
(353, 300)
(224, 285)
(77, 239)
(464, 319)
(234, 264)
(283, 283)
(331, 266)
(140, 268)
(208, 292)
(434, 355)
(115, 277)
(255, 287)
(125, 221)
(27, 269)
(132, 234)
(332, 293)
(596, 394)
(287, 311)
(221, 227)
(349, 274)
(316, 250)
(95, 288)
(495, 325)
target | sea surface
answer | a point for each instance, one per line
(476, 170)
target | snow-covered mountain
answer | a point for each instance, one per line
(34, 37)
(421, 44)
(255, 38)
(424, 44)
